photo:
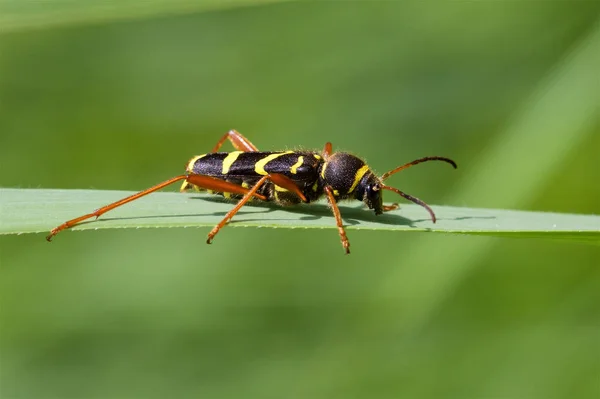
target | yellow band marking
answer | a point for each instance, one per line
(336, 193)
(315, 186)
(259, 168)
(295, 166)
(280, 189)
(317, 157)
(358, 176)
(227, 195)
(245, 185)
(323, 170)
(229, 160)
(190, 166)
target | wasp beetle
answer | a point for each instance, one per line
(283, 177)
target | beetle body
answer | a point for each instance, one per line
(246, 168)
(348, 176)
(282, 177)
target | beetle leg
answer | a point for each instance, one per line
(327, 150)
(207, 182)
(235, 209)
(338, 219)
(287, 183)
(238, 141)
(393, 207)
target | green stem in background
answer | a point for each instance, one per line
(20, 15)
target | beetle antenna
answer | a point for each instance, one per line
(412, 199)
(417, 161)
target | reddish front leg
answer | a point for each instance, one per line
(393, 207)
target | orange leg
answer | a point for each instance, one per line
(338, 219)
(221, 186)
(206, 182)
(278, 179)
(239, 205)
(238, 141)
(288, 184)
(393, 207)
(327, 150)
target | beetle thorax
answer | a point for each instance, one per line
(343, 172)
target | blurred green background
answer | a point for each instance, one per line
(508, 89)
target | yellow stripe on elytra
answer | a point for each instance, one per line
(259, 167)
(358, 176)
(229, 160)
(189, 169)
(295, 166)
(190, 165)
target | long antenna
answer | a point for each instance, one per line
(417, 161)
(412, 199)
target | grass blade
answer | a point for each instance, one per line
(39, 210)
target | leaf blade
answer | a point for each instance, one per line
(39, 210)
